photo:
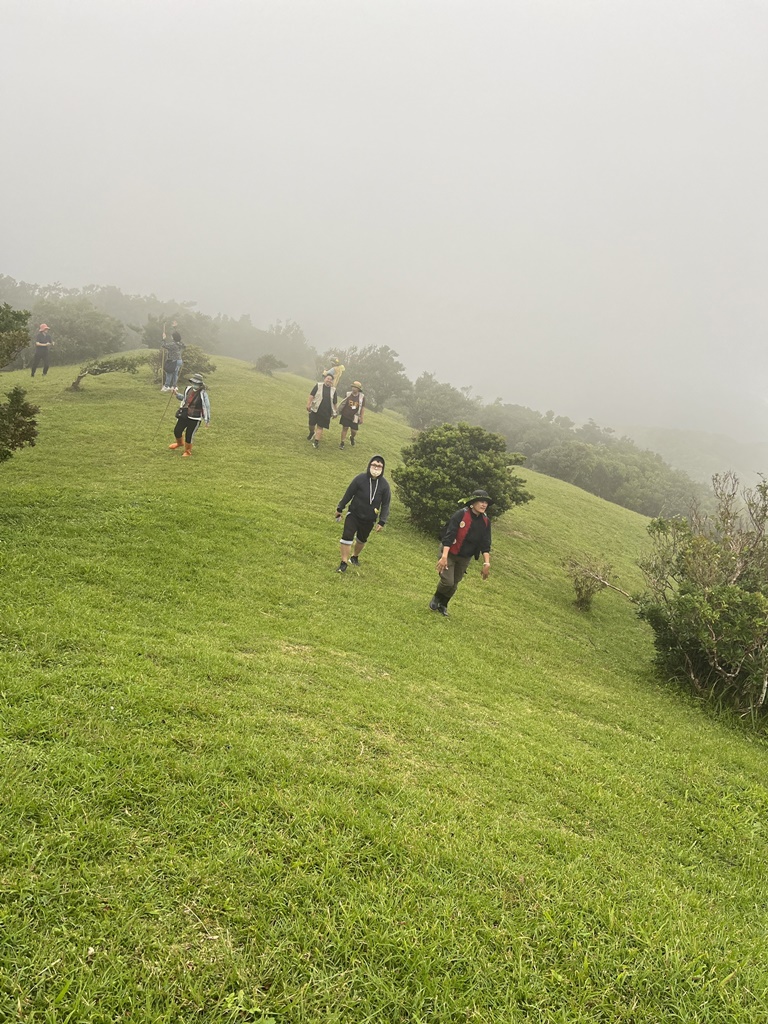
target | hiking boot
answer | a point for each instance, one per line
(434, 606)
(178, 443)
(354, 560)
(443, 610)
(342, 567)
(341, 445)
(315, 444)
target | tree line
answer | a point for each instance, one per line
(98, 320)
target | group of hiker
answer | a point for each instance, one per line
(466, 535)
(323, 405)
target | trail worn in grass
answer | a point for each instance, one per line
(241, 787)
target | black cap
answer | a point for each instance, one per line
(479, 495)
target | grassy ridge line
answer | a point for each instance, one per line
(255, 788)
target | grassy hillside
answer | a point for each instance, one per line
(241, 787)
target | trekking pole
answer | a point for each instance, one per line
(165, 410)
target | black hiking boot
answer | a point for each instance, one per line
(354, 560)
(342, 567)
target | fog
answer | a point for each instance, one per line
(558, 202)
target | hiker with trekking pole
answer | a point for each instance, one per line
(195, 409)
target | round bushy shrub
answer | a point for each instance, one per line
(445, 464)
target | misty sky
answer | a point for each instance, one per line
(558, 202)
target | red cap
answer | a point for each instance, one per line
(44, 327)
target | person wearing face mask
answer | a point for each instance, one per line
(368, 497)
(194, 409)
(466, 535)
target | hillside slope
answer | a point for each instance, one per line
(241, 787)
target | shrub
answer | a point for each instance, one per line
(707, 598)
(196, 361)
(18, 426)
(445, 464)
(589, 576)
(267, 364)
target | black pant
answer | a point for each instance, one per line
(184, 423)
(41, 353)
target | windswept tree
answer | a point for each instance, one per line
(109, 364)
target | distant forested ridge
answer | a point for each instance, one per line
(701, 454)
(101, 320)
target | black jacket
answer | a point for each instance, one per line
(477, 540)
(369, 496)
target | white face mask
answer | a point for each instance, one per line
(376, 470)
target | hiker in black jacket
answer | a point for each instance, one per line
(43, 345)
(368, 497)
(467, 535)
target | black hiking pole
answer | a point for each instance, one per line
(165, 410)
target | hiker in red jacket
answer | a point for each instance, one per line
(467, 535)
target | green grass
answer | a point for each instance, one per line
(241, 787)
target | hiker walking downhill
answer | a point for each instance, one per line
(321, 406)
(194, 409)
(43, 346)
(466, 535)
(368, 497)
(173, 358)
(351, 413)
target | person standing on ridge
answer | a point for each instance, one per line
(194, 409)
(368, 497)
(321, 406)
(351, 412)
(466, 535)
(43, 345)
(173, 358)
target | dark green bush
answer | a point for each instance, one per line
(445, 464)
